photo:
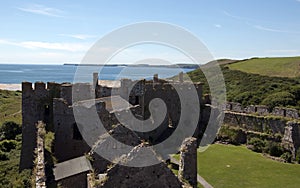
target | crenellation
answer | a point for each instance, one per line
(250, 109)
(39, 87)
(27, 88)
(292, 113)
(228, 106)
(155, 79)
(236, 107)
(180, 77)
(66, 93)
(278, 111)
(262, 109)
(95, 79)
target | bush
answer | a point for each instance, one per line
(274, 149)
(287, 156)
(9, 130)
(256, 144)
(3, 156)
(232, 135)
(298, 156)
(7, 145)
(282, 98)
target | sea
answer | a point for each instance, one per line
(17, 73)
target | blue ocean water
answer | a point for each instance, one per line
(15, 74)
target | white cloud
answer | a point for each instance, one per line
(79, 36)
(238, 17)
(285, 51)
(273, 30)
(71, 47)
(42, 10)
(218, 25)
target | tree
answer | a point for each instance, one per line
(9, 130)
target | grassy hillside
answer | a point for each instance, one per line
(10, 106)
(236, 166)
(10, 146)
(247, 88)
(279, 67)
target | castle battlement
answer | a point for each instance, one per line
(262, 110)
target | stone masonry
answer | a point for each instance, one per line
(188, 161)
(56, 105)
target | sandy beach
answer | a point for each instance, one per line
(12, 87)
(15, 87)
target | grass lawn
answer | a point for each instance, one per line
(279, 67)
(10, 106)
(236, 166)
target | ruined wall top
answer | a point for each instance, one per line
(262, 110)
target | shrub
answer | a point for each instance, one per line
(298, 156)
(232, 135)
(7, 145)
(287, 156)
(274, 149)
(3, 156)
(9, 130)
(277, 137)
(282, 98)
(256, 144)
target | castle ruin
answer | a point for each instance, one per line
(54, 104)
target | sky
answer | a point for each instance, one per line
(56, 32)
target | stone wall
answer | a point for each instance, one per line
(54, 106)
(255, 123)
(68, 142)
(188, 161)
(40, 180)
(172, 94)
(123, 176)
(36, 106)
(262, 110)
(291, 138)
(276, 124)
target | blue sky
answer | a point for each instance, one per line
(53, 32)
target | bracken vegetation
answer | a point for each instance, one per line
(256, 89)
(10, 141)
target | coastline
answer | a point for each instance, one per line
(15, 87)
(11, 87)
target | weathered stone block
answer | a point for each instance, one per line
(292, 113)
(262, 110)
(188, 161)
(277, 111)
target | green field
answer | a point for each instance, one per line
(10, 106)
(236, 166)
(279, 67)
